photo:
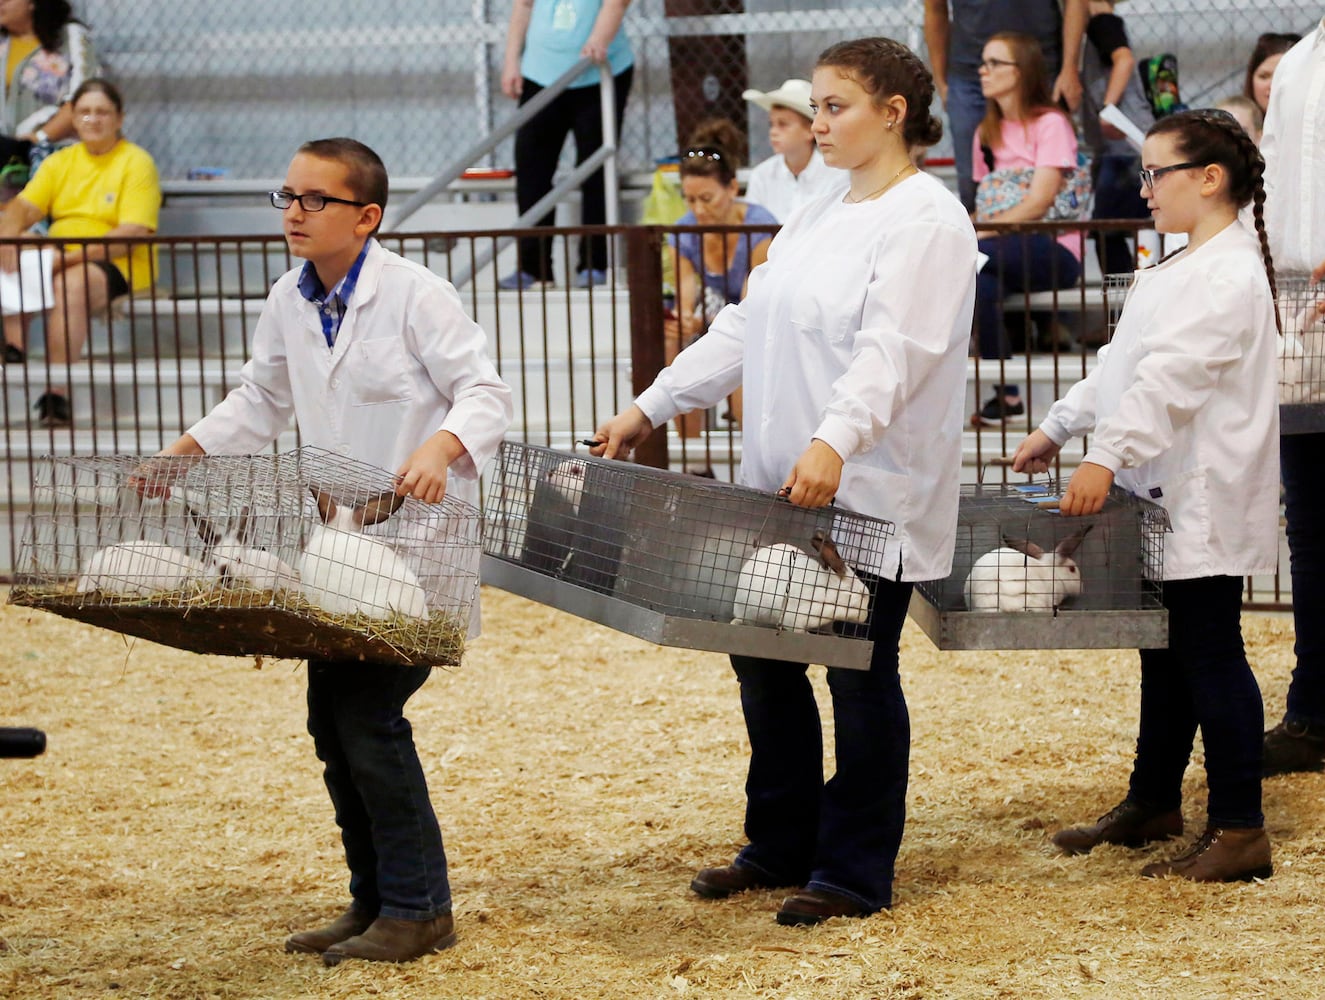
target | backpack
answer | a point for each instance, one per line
(1159, 78)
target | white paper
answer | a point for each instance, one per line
(1134, 136)
(28, 290)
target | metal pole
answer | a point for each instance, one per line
(647, 358)
(607, 96)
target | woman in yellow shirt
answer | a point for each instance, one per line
(102, 186)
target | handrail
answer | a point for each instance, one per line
(522, 115)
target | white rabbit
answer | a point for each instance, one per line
(137, 569)
(343, 572)
(785, 586)
(567, 478)
(1023, 577)
(237, 561)
(1302, 355)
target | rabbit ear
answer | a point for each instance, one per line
(823, 544)
(243, 525)
(1025, 546)
(326, 507)
(1069, 544)
(379, 508)
(206, 530)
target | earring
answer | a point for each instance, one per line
(890, 124)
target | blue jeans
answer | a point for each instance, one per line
(841, 836)
(1202, 679)
(1303, 467)
(393, 845)
(1018, 262)
(1117, 196)
(965, 107)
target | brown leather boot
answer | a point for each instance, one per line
(353, 921)
(1129, 823)
(719, 883)
(391, 940)
(1220, 856)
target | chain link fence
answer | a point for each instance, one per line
(237, 85)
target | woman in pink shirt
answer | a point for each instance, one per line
(1023, 132)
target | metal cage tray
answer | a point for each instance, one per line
(658, 555)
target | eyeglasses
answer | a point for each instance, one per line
(311, 202)
(1148, 177)
(993, 64)
(703, 153)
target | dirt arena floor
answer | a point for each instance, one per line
(177, 830)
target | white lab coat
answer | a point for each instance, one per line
(773, 185)
(1293, 145)
(855, 331)
(407, 363)
(1183, 407)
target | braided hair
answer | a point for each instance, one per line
(1213, 136)
(883, 68)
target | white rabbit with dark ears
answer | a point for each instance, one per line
(785, 586)
(238, 561)
(344, 572)
(1021, 576)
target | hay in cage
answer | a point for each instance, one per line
(1024, 577)
(681, 560)
(1301, 347)
(305, 554)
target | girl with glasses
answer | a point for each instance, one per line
(1183, 409)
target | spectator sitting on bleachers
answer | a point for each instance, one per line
(1247, 112)
(1269, 49)
(796, 173)
(45, 55)
(101, 186)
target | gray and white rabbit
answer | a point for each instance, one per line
(139, 569)
(785, 586)
(238, 561)
(1021, 576)
(344, 572)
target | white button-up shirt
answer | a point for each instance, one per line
(407, 363)
(1183, 406)
(855, 332)
(773, 185)
(1293, 145)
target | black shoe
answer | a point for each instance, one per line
(53, 410)
(997, 411)
(1293, 746)
(14, 355)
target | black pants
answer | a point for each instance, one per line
(538, 145)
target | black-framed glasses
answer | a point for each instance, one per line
(1148, 177)
(993, 64)
(311, 202)
(703, 153)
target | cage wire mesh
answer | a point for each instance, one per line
(300, 554)
(1024, 577)
(1301, 355)
(682, 560)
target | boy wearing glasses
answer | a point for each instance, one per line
(375, 359)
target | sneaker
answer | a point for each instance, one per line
(520, 281)
(53, 410)
(997, 411)
(1291, 747)
(14, 355)
(590, 276)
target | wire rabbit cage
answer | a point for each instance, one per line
(681, 560)
(1024, 577)
(1301, 355)
(1301, 347)
(302, 554)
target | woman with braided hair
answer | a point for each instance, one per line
(1183, 410)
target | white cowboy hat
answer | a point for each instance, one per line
(793, 94)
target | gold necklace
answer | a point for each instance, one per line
(874, 194)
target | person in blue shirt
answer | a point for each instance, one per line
(546, 38)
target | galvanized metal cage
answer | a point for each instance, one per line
(681, 560)
(1024, 577)
(1301, 355)
(301, 554)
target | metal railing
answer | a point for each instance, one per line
(157, 362)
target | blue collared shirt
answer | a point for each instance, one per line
(331, 306)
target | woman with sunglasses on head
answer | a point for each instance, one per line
(1182, 409)
(101, 186)
(1022, 131)
(851, 346)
